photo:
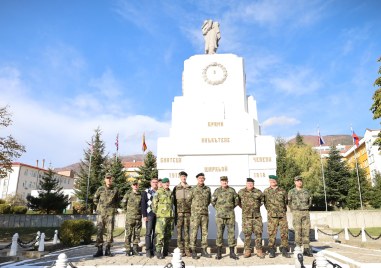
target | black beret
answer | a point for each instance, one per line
(183, 173)
(200, 174)
(249, 180)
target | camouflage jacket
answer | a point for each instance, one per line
(299, 199)
(131, 202)
(275, 201)
(224, 201)
(200, 200)
(106, 200)
(250, 202)
(162, 204)
(182, 200)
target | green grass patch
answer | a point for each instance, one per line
(25, 234)
(373, 231)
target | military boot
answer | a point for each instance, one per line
(272, 253)
(232, 254)
(204, 253)
(108, 251)
(165, 250)
(188, 253)
(307, 252)
(260, 253)
(285, 252)
(99, 252)
(247, 253)
(159, 255)
(194, 254)
(128, 252)
(135, 250)
(219, 253)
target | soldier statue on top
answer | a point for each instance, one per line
(212, 35)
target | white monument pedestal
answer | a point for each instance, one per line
(215, 130)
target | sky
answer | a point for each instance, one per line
(69, 67)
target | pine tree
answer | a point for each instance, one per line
(287, 169)
(299, 140)
(115, 167)
(148, 170)
(50, 196)
(353, 197)
(92, 171)
(337, 176)
(375, 199)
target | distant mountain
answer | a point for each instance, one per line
(125, 158)
(329, 140)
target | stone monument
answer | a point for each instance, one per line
(215, 129)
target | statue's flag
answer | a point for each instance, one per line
(321, 141)
(144, 145)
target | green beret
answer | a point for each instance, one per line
(249, 180)
(223, 178)
(164, 180)
(273, 177)
(298, 178)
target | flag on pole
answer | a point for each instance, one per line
(144, 145)
(321, 141)
(117, 142)
(356, 138)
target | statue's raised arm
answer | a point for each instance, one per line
(212, 35)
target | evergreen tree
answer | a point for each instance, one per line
(299, 140)
(91, 171)
(50, 197)
(287, 169)
(337, 176)
(353, 198)
(115, 167)
(148, 170)
(376, 106)
(375, 199)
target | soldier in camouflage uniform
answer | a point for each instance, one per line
(224, 200)
(275, 200)
(182, 202)
(251, 200)
(200, 200)
(131, 202)
(106, 198)
(299, 200)
(163, 208)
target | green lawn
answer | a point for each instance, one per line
(373, 231)
(25, 234)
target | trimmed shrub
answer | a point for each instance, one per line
(5, 209)
(2, 201)
(79, 208)
(74, 232)
(19, 210)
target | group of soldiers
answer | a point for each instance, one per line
(186, 207)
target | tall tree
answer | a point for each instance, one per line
(92, 170)
(115, 167)
(375, 200)
(353, 197)
(299, 140)
(51, 199)
(9, 147)
(336, 177)
(376, 106)
(148, 170)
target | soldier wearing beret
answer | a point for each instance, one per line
(131, 203)
(200, 200)
(251, 200)
(224, 200)
(275, 200)
(163, 208)
(299, 200)
(182, 203)
(106, 198)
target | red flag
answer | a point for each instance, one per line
(144, 145)
(356, 138)
(117, 142)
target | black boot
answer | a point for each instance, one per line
(204, 253)
(271, 253)
(165, 251)
(285, 253)
(194, 254)
(99, 252)
(307, 252)
(108, 251)
(219, 253)
(232, 254)
(135, 250)
(159, 255)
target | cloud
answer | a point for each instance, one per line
(280, 121)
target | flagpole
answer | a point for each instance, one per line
(88, 176)
(322, 172)
(357, 168)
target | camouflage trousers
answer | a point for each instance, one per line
(132, 228)
(230, 225)
(104, 223)
(163, 229)
(302, 225)
(272, 227)
(250, 226)
(183, 230)
(202, 222)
